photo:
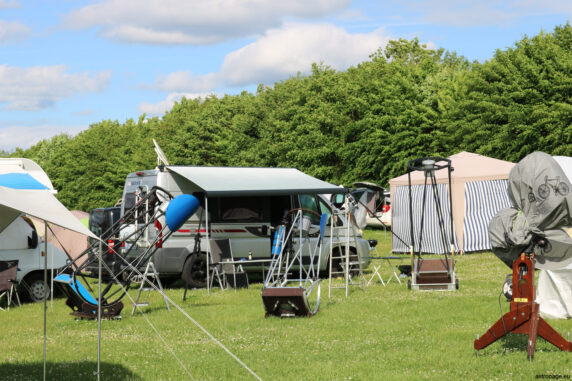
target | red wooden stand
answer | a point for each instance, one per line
(523, 316)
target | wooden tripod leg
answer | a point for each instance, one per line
(549, 334)
(533, 330)
(509, 322)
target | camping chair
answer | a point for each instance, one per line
(226, 271)
(8, 271)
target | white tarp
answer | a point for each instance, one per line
(554, 290)
(554, 293)
(37, 201)
(41, 204)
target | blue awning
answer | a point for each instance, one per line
(20, 181)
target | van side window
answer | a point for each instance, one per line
(308, 201)
(324, 208)
(243, 209)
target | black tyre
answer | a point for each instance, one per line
(195, 271)
(36, 289)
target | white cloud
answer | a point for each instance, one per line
(25, 136)
(40, 87)
(279, 54)
(163, 106)
(193, 22)
(12, 31)
(284, 52)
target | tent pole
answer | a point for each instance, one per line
(52, 272)
(412, 247)
(45, 296)
(99, 315)
(208, 242)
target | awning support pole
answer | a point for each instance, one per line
(208, 242)
(99, 314)
(45, 296)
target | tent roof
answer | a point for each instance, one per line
(467, 167)
(248, 181)
(41, 204)
(31, 192)
(27, 167)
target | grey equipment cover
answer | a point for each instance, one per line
(539, 192)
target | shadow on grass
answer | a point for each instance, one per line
(82, 370)
(519, 343)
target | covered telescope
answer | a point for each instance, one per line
(540, 193)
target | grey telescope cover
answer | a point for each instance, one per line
(541, 200)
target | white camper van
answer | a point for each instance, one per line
(20, 241)
(246, 217)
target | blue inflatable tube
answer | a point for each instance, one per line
(179, 210)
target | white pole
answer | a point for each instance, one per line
(208, 242)
(99, 314)
(52, 272)
(331, 251)
(45, 296)
(347, 269)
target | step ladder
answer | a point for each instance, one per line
(349, 262)
(149, 279)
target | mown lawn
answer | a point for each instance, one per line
(383, 333)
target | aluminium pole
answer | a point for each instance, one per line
(99, 313)
(45, 284)
(208, 242)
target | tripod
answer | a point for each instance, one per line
(523, 316)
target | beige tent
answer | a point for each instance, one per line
(69, 241)
(479, 186)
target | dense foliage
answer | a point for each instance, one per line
(361, 124)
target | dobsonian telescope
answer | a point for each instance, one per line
(532, 233)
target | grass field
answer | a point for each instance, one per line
(384, 333)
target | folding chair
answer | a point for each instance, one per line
(8, 272)
(377, 270)
(226, 271)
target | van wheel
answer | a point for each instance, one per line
(195, 271)
(37, 289)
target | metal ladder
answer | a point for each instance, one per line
(349, 261)
(150, 277)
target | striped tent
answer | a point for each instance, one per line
(479, 191)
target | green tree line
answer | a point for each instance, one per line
(361, 124)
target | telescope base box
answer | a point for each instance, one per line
(433, 274)
(285, 302)
(89, 311)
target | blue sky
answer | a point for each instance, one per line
(66, 64)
